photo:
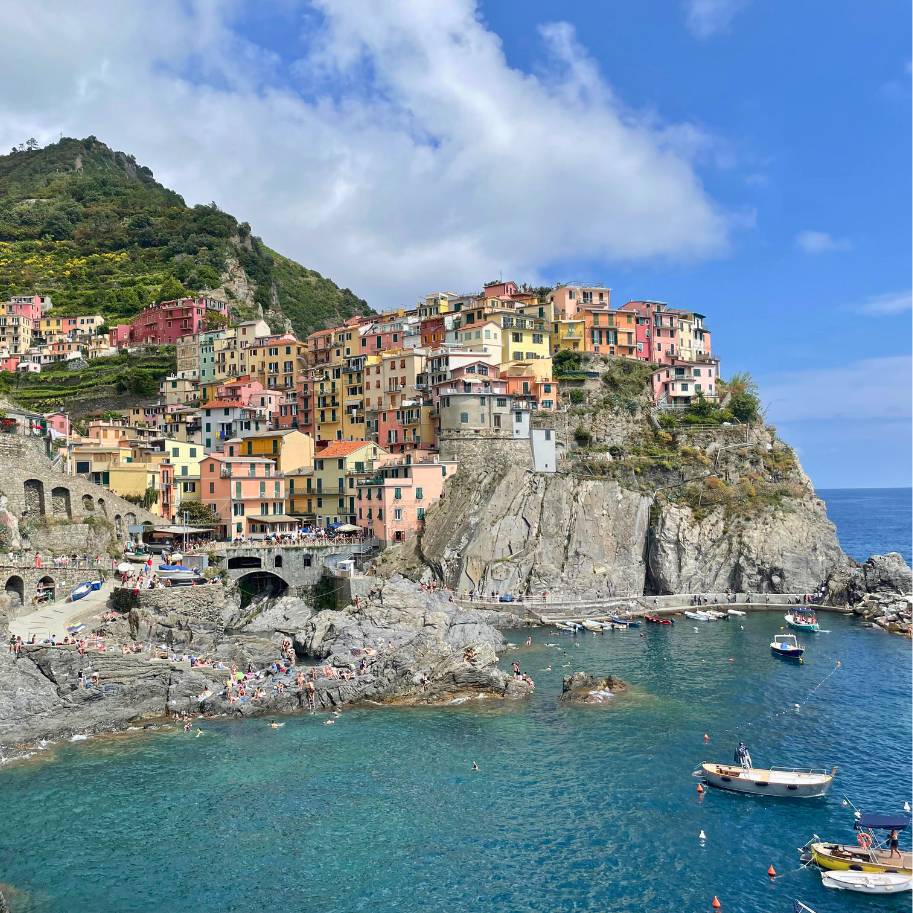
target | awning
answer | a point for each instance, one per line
(883, 822)
(274, 518)
(348, 528)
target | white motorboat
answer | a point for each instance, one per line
(780, 782)
(591, 625)
(697, 616)
(867, 882)
(736, 612)
(571, 626)
(715, 616)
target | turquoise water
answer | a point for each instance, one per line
(585, 810)
(871, 521)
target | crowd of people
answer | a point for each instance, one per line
(303, 536)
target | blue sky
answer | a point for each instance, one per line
(746, 158)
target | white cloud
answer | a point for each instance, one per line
(872, 388)
(400, 153)
(706, 18)
(886, 304)
(820, 242)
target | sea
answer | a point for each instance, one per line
(584, 810)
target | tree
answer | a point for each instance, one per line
(744, 398)
(169, 290)
(198, 514)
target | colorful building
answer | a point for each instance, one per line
(392, 502)
(166, 322)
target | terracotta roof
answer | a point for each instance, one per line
(341, 448)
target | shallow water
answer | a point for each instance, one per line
(590, 809)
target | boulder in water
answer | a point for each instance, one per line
(584, 688)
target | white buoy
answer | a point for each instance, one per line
(702, 836)
(844, 803)
(857, 815)
(906, 807)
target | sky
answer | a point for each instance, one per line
(749, 159)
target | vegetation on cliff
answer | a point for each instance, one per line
(118, 381)
(92, 228)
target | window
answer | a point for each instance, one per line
(398, 514)
(420, 513)
(212, 488)
(516, 337)
(537, 338)
(684, 388)
(464, 418)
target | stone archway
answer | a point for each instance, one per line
(60, 502)
(277, 561)
(130, 520)
(15, 590)
(88, 504)
(260, 583)
(34, 497)
(103, 507)
(119, 525)
(46, 591)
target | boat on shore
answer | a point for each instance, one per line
(779, 782)
(867, 882)
(786, 646)
(868, 853)
(802, 621)
(83, 590)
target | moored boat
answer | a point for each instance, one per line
(867, 854)
(571, 626)
(697, 616)
(82, 590)
(736, 612)
(590, 625)
(802, 621)
(657, 620)
(780, 782)
(867, 882)
(786, 646)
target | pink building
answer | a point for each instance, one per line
(10, 362)
(678, 383)
(59, 423)
(569, 299)
(247, 493)
(393, 502)
(252, 393)
(166, 322)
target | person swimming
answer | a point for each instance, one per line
(475, 766)
(274, 725)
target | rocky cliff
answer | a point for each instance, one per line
(638, 505)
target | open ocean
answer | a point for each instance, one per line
(871, 521)
(584, 810)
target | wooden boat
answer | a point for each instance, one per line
(591, 625)
(866, 855)
(786, 646)
(867, 882)
(697, 616)
(802, 621)
(780, 782)
(657, 620)
(82, 590)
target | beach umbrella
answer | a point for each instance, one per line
(348, 528)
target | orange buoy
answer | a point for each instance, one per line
(700, 788)
(772, 871)
(706, 737)
(716, 903)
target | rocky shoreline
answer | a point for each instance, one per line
(404, 644)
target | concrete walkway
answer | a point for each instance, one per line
(53, 618)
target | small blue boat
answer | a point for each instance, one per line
(624, 622)
(82, 590)
(786, 646)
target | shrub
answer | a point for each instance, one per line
(583, 435)
(577, 397)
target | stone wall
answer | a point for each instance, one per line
(202, 603)
(37, 501)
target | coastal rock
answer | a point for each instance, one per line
(776, 551)
(523, 532)
(286, 615)
(887, 574)
(585, 688)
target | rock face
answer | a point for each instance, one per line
(504, 528)
(878, 590)
(531, 532)
(778, 551)
(584, 688)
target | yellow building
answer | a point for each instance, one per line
(278, 362)
(568, 335)
(291, 450)
(185, 456)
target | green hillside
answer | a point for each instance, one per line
(93, 229)
(104, 383)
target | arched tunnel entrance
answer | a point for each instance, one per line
(260, 583)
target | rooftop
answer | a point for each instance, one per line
(343, 448)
